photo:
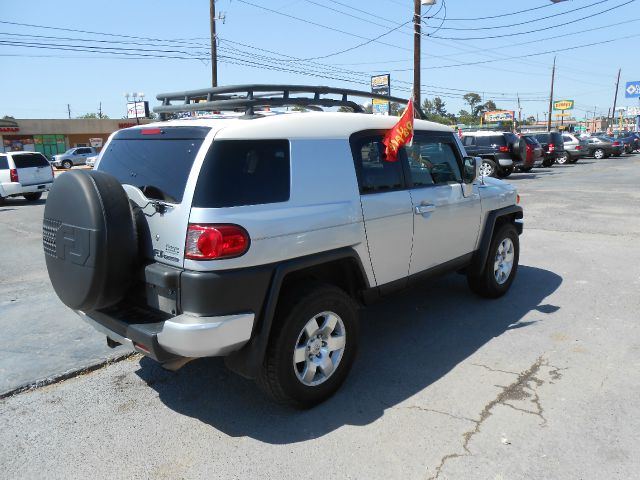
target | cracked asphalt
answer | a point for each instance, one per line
(540, 384)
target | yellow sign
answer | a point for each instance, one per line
(563, 105)
(377, 101)
(561, 115)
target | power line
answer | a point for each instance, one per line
(496, 16)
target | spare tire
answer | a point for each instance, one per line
(89, 238)
(519, 150)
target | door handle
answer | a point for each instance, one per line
(424, 208)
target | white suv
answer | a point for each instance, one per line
(257, 237)
(26, 174)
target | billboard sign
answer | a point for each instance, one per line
(633, 111)
(632, 89)
(380, 107)
(499, 116)
(137, 109)
(563, 105)
(381, 84)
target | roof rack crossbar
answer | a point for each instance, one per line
(234, 97)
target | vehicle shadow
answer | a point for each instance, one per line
(20, 202)
(407, 343)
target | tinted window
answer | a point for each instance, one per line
(531, 140)
(432, 161)
(244, 172)
(543, 137)
(491, 141)
(510, 137)
(567, 138)
(4, 163)
(468, 141)
(159, 167)
(29, 160)
(375, 173)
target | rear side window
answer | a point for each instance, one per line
(30, 160)
(4, 163)
(468, 141)
(543, 137)
(244, 172)
(375, 173)
(490, 141)
(159, 165)
(567, 138)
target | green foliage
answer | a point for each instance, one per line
(93, 115)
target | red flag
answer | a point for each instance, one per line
(400, 134)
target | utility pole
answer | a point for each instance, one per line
(553, 75)
(69, 110)
(519, 110)
(214, 52)
(417, 18)
(615, 97)
(100, 110)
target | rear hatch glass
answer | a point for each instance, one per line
(489, 141)
(30, 160)
(156, 160)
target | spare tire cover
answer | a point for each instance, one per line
(89, 239)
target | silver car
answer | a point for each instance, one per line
(573, 149)
(73, 156)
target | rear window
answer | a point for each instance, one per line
(30, 160)
(4, 163)
(542, 137)
(244, 172)
(531, 140)
(158, 164)
(487, 141)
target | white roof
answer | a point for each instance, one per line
(298, 125)
(484, 133)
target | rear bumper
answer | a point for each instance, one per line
(180, 336)
(14, 188)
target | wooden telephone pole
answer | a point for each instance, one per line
(214, 52)
(615, 98)
(553, 75)
(417, 18)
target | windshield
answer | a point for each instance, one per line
(159, 165)
(70, 151)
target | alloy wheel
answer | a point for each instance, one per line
(503, 263)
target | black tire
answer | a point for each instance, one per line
(32, 197)
(564, 158)
(525, 169)
(505, 172)
(2, 200)
(488, 166)
(548, 162)
(67, 164)
(519, 149)
(90, 240)
(278, 377)
(485, 283)
(599, 154)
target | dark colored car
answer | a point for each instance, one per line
(618, 146)
(533, 154)
(630, 141)
(601, 147)
(552, 146)
(499, 151)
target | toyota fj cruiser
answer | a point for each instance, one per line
(256, 236)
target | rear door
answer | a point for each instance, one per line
(33, 169)
(154, 165)
(445, 222)
(386, 208)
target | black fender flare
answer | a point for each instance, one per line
(248, 360)
(479, 258)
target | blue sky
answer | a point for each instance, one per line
(263, 42)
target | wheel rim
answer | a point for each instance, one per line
(503, 263)
(563, 158)
(319, 349)
(486, 170)
(598, 154)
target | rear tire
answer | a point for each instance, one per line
(547, 163)
(307, 358)
(32, 197)
(564, 158)
(488, 168)
(505, 172)
(599, 154)
(501, 265)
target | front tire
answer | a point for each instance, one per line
(32, 197)
(67, 164)
(501, 266)
(564, 158)
(312, 347)
(598, 154)
(505, 172)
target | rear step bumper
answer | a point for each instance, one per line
(180, 336)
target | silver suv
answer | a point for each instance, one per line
(74, 156)
(258, 236)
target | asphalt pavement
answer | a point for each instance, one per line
(540, 384)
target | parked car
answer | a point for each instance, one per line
(534, 153)
(573, 149)
(630, 141)
(499, 151)
(618, 146)
(600, 147)
(91, 161)
(258, 238)
(26, 174)
(552, 146)
(74, 156)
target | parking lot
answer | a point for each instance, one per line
(542, 383)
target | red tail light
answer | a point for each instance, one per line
(529, 148)
(211, 242)
(504, 149)
(13, 174)
(578, 147)
(552, 147)
(616, 144)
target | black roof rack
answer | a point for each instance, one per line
(249, 96)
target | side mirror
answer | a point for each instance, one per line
(471, 169)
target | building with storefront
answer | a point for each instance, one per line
(57, 135)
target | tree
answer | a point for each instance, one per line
(531, 120)
(298, 108)
(438, 107)
(368, 108)
(395, 109)
(473, 99)
(93, 115)
(8, 117)
(427, 107)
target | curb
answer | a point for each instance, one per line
(65, 376)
